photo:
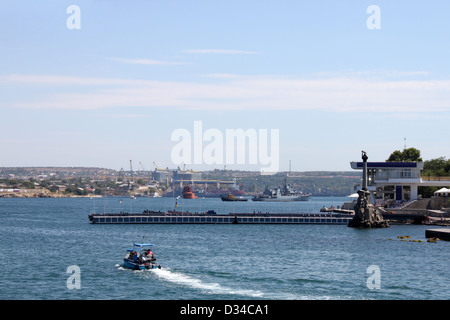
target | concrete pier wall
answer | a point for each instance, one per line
(218, 219)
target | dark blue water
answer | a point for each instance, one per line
(41, 238)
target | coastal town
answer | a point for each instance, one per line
(403, 177)
(90, 182)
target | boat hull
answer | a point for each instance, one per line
(233, 199)
(129, 264)
(189, 196)
(283, 198)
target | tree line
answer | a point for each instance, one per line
(437, 167)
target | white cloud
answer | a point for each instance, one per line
(219, 51)
(55, 80)
(122, 115)
(223, 76)
(146, 62)
(381, 74)
(232, 92)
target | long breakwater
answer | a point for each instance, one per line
(232, 218)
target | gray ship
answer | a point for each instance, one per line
(285, 193)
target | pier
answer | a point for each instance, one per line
(232, 218)
(442, 234)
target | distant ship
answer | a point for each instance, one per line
(188, 193)
(220, 193)
(285, 193)
(202, 193)
(230, 197)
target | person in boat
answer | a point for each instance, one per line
(134, 256)
(149, 255)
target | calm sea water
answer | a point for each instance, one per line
(41, 238)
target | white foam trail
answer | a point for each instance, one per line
(185, 280)
(215, 288)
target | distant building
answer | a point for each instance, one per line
(61, 188)
(163, 176)
(396, 180)
(186, 176)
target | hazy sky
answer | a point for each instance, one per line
(111, 82)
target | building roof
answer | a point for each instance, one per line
(384, 165)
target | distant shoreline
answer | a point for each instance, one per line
(43, 194)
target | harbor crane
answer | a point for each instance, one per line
(143, 169)
(131, 171)
(157, 167)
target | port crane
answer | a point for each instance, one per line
(143, 169)
(142, 166)
(131, 171)
(157, 167)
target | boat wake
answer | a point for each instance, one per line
(120, 267)
(207, 287)
(213, 288)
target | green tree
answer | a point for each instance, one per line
(140, 182)
(435, 164)
(407, 155)
(427, 192)
(53, 188)
(412, 154)
(28, 184)
(437, 167)
(396, 156)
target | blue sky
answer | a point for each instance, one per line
(135, 71)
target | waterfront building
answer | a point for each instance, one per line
(163, 175)
(397, 180)
(189, 175)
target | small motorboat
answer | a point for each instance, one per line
(230, 197)
(140, 261)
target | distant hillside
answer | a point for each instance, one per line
(315, 182)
